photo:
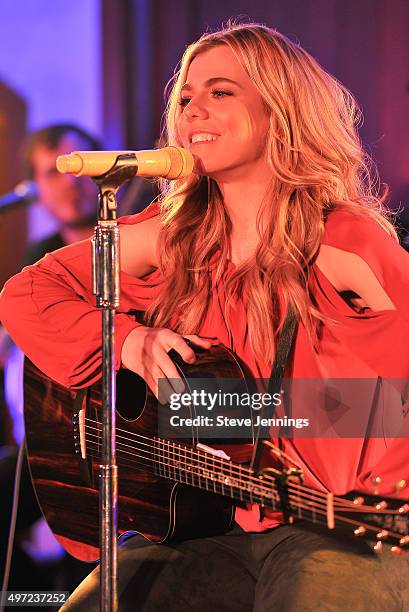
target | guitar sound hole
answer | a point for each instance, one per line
(131, 392)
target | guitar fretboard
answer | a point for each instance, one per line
(213, 473)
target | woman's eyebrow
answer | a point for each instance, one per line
(210, 82)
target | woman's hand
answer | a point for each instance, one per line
(145, 351)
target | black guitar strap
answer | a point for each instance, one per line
(284, 345)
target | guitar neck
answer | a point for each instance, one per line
(382, 518)
(373, 517)
(224, 477)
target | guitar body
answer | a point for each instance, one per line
(63, 434)
(172, 489)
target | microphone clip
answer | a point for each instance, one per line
(109, 183)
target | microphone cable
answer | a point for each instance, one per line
(13, 520)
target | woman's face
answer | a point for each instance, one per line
(223, 120)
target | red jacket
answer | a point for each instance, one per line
(49, 311)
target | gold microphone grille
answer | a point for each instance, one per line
(181, 163)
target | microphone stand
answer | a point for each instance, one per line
(105, 281)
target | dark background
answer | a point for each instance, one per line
(135, 45)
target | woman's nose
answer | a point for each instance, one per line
(196, 109)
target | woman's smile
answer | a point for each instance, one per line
(201, 137)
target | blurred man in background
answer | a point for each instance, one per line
(71, 200)
(38, 561)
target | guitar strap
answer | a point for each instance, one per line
(284, 346)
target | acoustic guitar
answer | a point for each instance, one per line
(170, 489)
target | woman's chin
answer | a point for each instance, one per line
(206, 167)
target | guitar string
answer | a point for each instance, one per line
(163, 446)
(179, 464)
(177, 456)
(213, 483)
(346, 504)
(261, 493)
(218, 489)
(149, 457)
(192, 451)
(271, 494)
(199, 455)
(224, 463)
(310, 507)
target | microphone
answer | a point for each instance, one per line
(170, 163)
(24, 193)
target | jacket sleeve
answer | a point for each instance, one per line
(380, 339)
(49, 311)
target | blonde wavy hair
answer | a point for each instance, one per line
(319, 164)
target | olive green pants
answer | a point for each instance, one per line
(288, 569)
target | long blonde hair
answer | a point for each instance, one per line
(319, 164)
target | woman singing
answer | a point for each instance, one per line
(280, 213)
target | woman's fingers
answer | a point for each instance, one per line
(145, 351)
(158, 384)
(200, 341)
(165, 375)
(171, 373)
(164, 389)
(184, 350)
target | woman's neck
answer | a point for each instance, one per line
(243, 201)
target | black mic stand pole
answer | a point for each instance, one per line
(105, 275)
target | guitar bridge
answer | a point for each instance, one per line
(79, 434)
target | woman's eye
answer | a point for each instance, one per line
(221, 93)
(216, 93)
